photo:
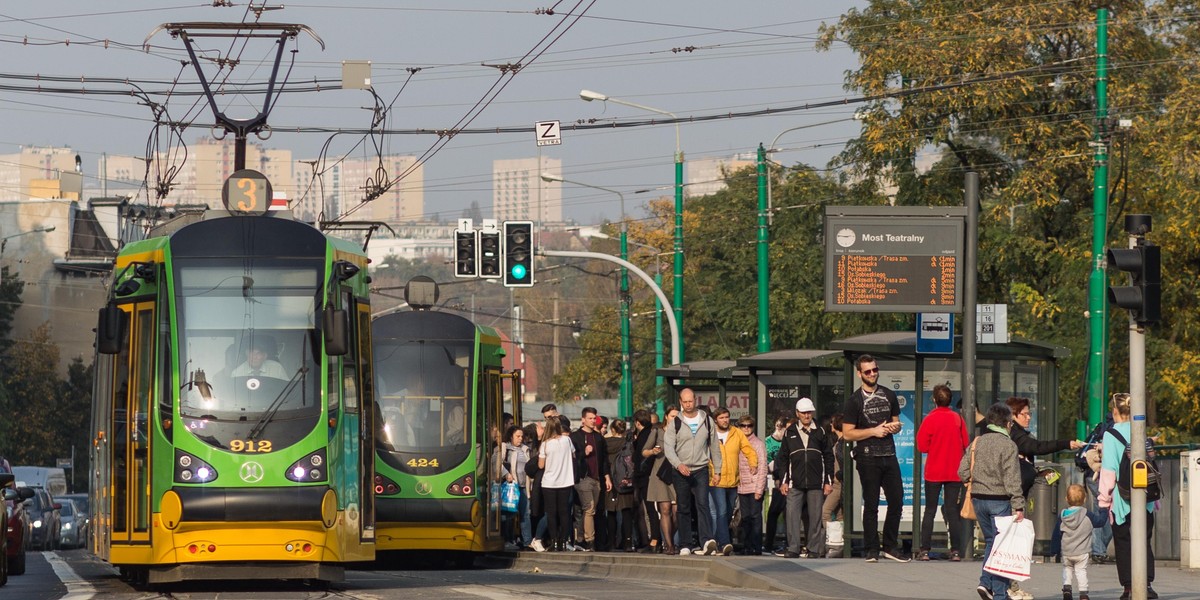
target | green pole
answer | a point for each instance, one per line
(764, 276)
(1098, 282)
(625, 402)
(678, 298)
(658, 341)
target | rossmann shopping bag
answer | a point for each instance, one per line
(1012, 550)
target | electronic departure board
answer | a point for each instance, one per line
(903, 262)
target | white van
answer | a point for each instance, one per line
(53, 479)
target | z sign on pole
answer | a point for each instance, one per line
(548, 133)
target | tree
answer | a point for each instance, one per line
(36, 401)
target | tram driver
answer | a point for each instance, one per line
(259, 362)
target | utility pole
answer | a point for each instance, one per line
(1097, 369)
(764, 276)
(970, 297)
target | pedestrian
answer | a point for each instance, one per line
(1088, 460)
(692, 448)
(549, 410)
(833, 502)
(594, 479)
(777, 503)
(1077, 524)
(1119, 507)
(533, 479)
(1028, 446)
(619, 501)
(942, 437)
(556, 456)
(660, 491)
(806, 456)
(516, 456)
(723, 482)
(991, 467)
(644, 514)
(752, 485)
(872, 420)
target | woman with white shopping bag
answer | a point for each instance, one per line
(991, 467)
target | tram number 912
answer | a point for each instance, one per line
(422, 462)
(250, 446)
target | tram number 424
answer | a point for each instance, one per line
(250, 446)
(422, 462)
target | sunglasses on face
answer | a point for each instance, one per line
(870, 371)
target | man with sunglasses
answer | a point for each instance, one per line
(872, 419)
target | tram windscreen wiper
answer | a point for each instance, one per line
(269, 414)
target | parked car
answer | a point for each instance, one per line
(74, 524)
(47, 526)
(18, 524)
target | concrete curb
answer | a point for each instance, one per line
(713, 570)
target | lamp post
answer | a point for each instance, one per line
(625, 398)
(764, 221)
(588, 96)
(4, 240)
(658, 339)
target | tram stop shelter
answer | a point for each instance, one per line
(779, 378)
(1020, 367)
(715, 383)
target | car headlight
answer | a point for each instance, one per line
(37, 524)
(66, 526)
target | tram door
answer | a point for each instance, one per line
(493, 401)
(133, 380)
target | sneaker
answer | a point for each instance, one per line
(538, 546)
(955, 556)
(923, 556)
(684, 551)
(1127, 595)
(511, 546)
(1084, 596)
(727, 549)
(781, 552)
(569, 547)
(1017, 593)
(584, 547)
(791, 555)
(899, 556)
(1067, 593)
(812, 555)
(1151, 594)
(984, 593)
(1099, 559)
(710, 548)
(873, 556)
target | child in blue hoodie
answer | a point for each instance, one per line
(1076, 527)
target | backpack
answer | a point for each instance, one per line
(1125, 475)
(622, 469)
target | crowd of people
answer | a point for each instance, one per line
(686, 484)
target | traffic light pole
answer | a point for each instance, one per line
(1097, 370)
(1137, 440)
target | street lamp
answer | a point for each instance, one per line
(658, 339)
(589, 95)
(4, 240)
(625, 400)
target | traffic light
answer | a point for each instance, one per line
(490, 259)
(1143, 297)
(518, 253)
(466, 253)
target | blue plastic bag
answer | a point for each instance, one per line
(510, 496)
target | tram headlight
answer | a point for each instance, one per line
(463, 486)
(309, 469)
(190, 469)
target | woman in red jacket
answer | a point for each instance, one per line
(943, 437)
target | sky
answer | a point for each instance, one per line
(693, 58)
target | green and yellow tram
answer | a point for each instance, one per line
(233, 414)
(439, 383)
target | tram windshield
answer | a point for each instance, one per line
(248, 349)
(422, 387)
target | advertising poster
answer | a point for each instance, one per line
(738, 402)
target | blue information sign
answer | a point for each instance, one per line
(935, 333)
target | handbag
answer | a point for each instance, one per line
(1012, 550)
(666, 473)
(510, 496)
(968, 507)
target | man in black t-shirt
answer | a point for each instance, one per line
(872, 419)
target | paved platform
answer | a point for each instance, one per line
(839, 578)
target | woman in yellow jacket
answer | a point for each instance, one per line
(723, 490)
